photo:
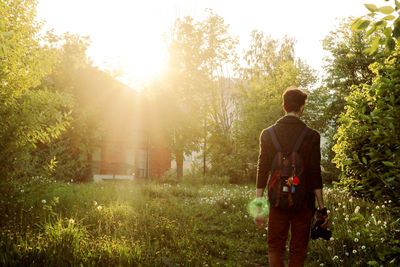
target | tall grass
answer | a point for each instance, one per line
(178, 224)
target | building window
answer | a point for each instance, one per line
(130, 161)
(142, 163)
(96, 160)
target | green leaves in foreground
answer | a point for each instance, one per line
(391, 33)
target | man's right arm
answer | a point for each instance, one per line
(262, 166)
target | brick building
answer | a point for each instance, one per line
(132, 145)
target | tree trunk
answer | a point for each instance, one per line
(179, 164)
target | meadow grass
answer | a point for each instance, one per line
(181, 224)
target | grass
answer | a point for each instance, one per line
(157, 224)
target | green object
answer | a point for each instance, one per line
(258, 207)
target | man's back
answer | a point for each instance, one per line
(288, 129)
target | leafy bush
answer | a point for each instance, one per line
(368, 144)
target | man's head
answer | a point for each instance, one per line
(293, 100)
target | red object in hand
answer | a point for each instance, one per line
(296, 180)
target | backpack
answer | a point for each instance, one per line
(286, 184)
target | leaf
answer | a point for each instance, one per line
(396, 30)
(364, 160)
(374, 45)
(355, 24)
(389, 17)
(390, 179)
(387, 32)
(391, 43)
(371, 7)
(372, 263)
(388, 163)
(379, 23)
(364, 24)
(371, 31)
(386, 9)
(347, 162)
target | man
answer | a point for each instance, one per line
(287, 131)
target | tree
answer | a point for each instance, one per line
(181, 89)
(28, 114)
(367, 147)
(272, 68)
(346, 67)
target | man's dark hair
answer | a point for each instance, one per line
(293, 99)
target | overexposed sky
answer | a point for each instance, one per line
(128, 34)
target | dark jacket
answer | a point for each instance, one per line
(288, 129)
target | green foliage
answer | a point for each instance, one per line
(346, 65)
(389, 32)
(28, 114)
(272, 68)
(368, 147)
(156, 224)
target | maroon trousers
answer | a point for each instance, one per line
(278, 228)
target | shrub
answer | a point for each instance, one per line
(368, 144)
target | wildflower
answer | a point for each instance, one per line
(357, 209)
(346, 219)
(356, 239)
(99, 207)
(348, 230)
(44, 201)
(351, 199)
(390, 201)
(335, 257)
(362, 247)
(354, 251)
(245, 216)
(72, 180)
(358, 233)
(383, 206)
(344, 206)
(264, 235)
(71, 221)
(377, 207)
(22, 190)
(336, 209)
(321, 264)
(94, 202)
(332, 238)
(328, 211)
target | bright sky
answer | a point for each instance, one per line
(128, 34)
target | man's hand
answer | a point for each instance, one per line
(259, 221)
(322, 215)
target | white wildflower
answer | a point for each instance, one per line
(335, 257)
(356, 239)
(362, 247)
(99, 207)
(354, 251)
(44, 201)
(71, 221)
(357, 209)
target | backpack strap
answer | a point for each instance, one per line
(300, 139)
(271, 131)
